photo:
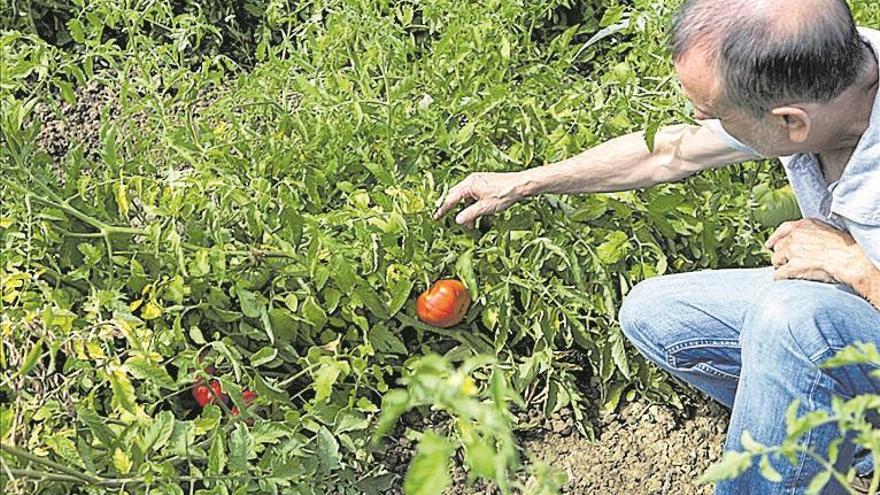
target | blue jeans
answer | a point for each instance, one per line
(754, 345)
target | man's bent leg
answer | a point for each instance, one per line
(689, 324)
(797, 326)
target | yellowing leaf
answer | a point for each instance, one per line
(123, 391)
(151, 311)
(121, 461)
(95, 350)
(122, 198)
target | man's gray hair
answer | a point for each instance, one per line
(769, 55)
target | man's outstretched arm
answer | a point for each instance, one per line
(619, 164)
(626, 162)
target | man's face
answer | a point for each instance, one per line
(701, 85)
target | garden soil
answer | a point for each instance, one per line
(642, 448)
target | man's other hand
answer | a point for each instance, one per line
(810, 249)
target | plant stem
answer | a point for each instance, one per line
(44, 475)
(23, 454)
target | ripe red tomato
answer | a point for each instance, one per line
(202, 393)
(444, 304)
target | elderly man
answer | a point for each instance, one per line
(793, 79)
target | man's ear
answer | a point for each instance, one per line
(797, 122)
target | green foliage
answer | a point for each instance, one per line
(775, 206)
(850, 415)
(481, 423)
(259, 200)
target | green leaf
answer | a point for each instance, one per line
(123, 391)
(151, 311)
(428, 473)
(394, 403)
(856, 353)
(64, 447)
(95, 424)
(121, 461)
(327, 449)
(217, 454)
(283, 324)
(325, 377)
(750, 444)
(314, 313)
(651, 133)
(618, 353)
(31, 359)
(731, 465)
(241, 448)
(142, 369)
(818, 482)
(158, 433)
(380, 173)
(767, 470)
(399, 295)
(7, 418)
(464, 268)
(263, 356)
(373, 303)
(252, 304)
(77, 30)
(384, 341)
(342, 273)
(481, 458)
(614, 248)
(465, 133)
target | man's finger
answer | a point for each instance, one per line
(470, 214)
(778, 258)
(782, 272)
(455, 195)
(797, 270)
(792, 270)
(783, 230)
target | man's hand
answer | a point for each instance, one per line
(813, 250)
(490, 192)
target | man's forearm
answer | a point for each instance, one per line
(626, 162)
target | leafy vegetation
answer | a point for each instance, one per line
(848, 415)
(258, 200)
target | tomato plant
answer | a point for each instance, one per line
(253, 201)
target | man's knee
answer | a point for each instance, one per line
(634, 312)
(644, 307)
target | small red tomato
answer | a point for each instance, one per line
(444, 304)
(218, 389)
(203, 393)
